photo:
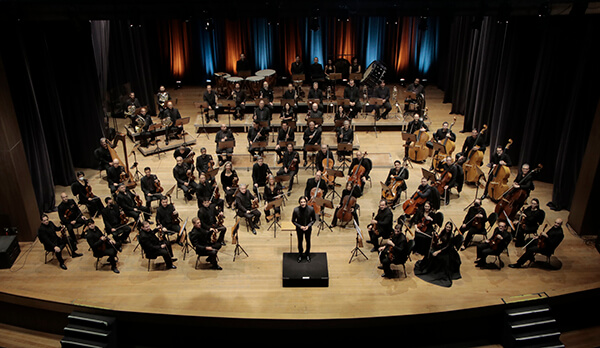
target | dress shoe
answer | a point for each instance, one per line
(299, 259)
(254, 231)
(217, 267)
(174, 259)
(374, 249)
(63, 266)
(514, 265)
(307, 258)
(172, 267)
(77, 255)
(115, 269)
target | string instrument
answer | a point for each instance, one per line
(358, 171)
(392, 188)
(495, 242)
(449, 145)
(68, 215)
(234, 231)
(542, 238)
(137, 199)
(64, 237)
(476, 221)
(158, 187)
(344, 214)
(513, 199)
(498, 179)
(128, 178)
(123, 217)
(190, 176)
(314, 193)
(473, 160)
(88, 190)
(419, 150)
(328, 164)
(444, 180)
(424, 223)
(373, 226)
(411, 205)
(189, 158)
(293, 165)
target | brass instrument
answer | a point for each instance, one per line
(395, 98)
(140, 123)
(162, 98)
(167, 122)
(130, 110)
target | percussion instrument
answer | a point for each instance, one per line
(374, 74)
(221, 80)
(254, 83)
(269, 74)
(232, 80)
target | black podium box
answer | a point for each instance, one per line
(305, 274)
(9, 250)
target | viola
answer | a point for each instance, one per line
(474, 160)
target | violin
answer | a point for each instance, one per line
(123, 217)
(158, 187)
(473, 161)
(448, 145)
(498, 179)
(495, 242)
(358, 171)
(88, 190)
(138, 200)
(424, 223)
(513, 199)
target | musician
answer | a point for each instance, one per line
(184, 152)
(203, 242)
(209, 217)
(162, 98)
(224, 135)
(544, 244)
(316, 71)
(204, 162)
(146, 136)
(244, 207)
(154, 247)
(345, 135)
(498, 242)
(80, 189)
(473, 223)
(474, 142)
(130, 104)
(393, 251)
(211, 98)
(174, 115)
(239, 96)
(396, 174)
(423, 221)
(329, 69)
(260, 172)
(528, 222)
(149, 184)
(183, 175)
(266, 92)
(102, 245)
(291, 94)
(70, 215)
(272, 191)
(523, 180)
(297, 67)
(450, 168)
(229, 182)
(285, 134)
(350, 190)
(500, 157)
(315, 182)
(242, 64)
(102, 154)
(324, 153)
(352, 93)
(303, 217)
(257, 134)
(381, 225)
(315, 93)
(113, 224)
(312, 136)
(126, 200)
(289, 165)
(114, 175)
(442, 264)
(167, 217)
(314, 112)
(416, 125)
(262, 113)
(355, 67)
(444, 133)
(53, 243)
(382, 92)
(207, 189)
(341, 114)
(357, 162)
(416, 87)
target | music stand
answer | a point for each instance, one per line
(377, 103)
(211, 173)
(437, 148)
(430, 176)
(340, 123)
(317, 120)
(344, 147)
(182, 235)
(275, 204)
(202, 106)
(181, 122)
(355, 76)
(226, 144)
(337, 174)
(359, 244)
(230, 104)
(235, 235)
(408, 139)
(311, 148)
(153, 127)
(323, 203)
(280, 179)
(138, 174)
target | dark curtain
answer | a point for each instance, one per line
(529, 80)
(55, 90)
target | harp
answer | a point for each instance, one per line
(129, 182)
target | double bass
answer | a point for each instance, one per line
(497, 182)
(513, 199)
(449, 146)
(418, 150)
(473, 161)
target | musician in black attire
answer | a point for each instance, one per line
(206, 189)
(148, 184)
(80, 189)
(315, 93)
(416, 87)
(174, 115)
(361, 161)
(498, 242)
(260, 172)
(442, 134)
(154, 247)
(210, 97)
(352, 93)
(209, 215)
(393, 251)
(262, 113)
(271, 192)
(397, 173)
(523, 180)
(223, 135)
(126, 201)
(202, 241)
(314, 182)
(544, 244)
(341, 114)
(528, 222)
(291, 94)
(162, 98)
(473, 223)
(297, 67)
(113, 175)
(450, 168)
(257, 134)
(285, 134)
(473, 142)
(429, 193)
(130, 104)
(53, 243)
(324, 153)
(384, 222)
(314, 112)
(111, 215)
(183, 152)
(70, 215)
(266, 93)
(350, 190)
(303, 217)
(288, 112)
(167, 217)
(243, 64)
(102, 154)
(382, 92)
(101, 245)
(146, 136)
(442, 264)
(312, 136)
(229, 179)
(413, 126)
(239, 96)
(289, 165)
(316, 70)
(243, 205)
(345, 135)
(424, 221)
(185, 183)
(204, 162)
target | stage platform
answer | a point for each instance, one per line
(246, 302)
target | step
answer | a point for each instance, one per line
(91, 319)
(515, 312)
(536, 335)
(77, 342)
(79, 330)
(551, 344)
(532, 322)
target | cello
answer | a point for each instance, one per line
(328, 164)
(513, 199)
(498, 179)
(449, 146)
(358, 171)
(473, 162)
(314, 193)
(411, 205)
(344, 214)
(444, 180)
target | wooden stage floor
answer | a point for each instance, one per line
(251, 287)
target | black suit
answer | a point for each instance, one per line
(200, 238)
(211, 100)
(148, 186)
(353, 94)
(111, 215)
(74, 215)
(302, 217)
(383, 93)
(48, 237)
(152, 246)
(385, 221)
(101, 247)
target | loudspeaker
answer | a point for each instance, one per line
(305, 274)
(9, 250)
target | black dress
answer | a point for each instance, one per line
(443, 268)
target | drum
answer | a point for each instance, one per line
(254, 83)
(270, 76)
(373, 74)
(220, 79)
